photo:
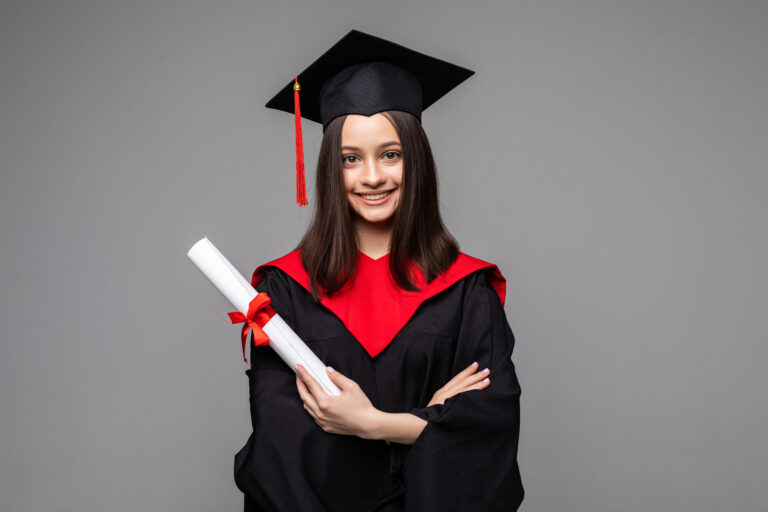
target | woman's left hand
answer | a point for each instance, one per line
(350, 413)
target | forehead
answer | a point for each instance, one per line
(360, 130)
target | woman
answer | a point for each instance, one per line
(428, 417)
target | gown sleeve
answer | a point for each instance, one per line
(288, 462)
(466, 456)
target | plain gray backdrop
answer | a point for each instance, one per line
(608, 155)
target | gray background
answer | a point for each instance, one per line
(608, 155)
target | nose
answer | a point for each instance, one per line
(372, 176)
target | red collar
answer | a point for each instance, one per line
(373, 308)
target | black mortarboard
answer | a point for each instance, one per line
(364, 74)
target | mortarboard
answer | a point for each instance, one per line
(363, 74)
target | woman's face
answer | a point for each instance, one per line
(373, 166)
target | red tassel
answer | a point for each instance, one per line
(301, 190)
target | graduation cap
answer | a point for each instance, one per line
(363, 74)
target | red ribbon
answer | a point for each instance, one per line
(259, 313)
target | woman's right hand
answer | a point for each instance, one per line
(465, 380)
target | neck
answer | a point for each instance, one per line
(373, 238)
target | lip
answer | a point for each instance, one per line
(377, 201)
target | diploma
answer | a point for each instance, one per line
(239, 292)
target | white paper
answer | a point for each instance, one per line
(239, 292)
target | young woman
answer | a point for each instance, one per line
(413, 331)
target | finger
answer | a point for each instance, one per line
(311, 413)
(477, 381)
(464, 373)
(340, 380)
(481, 385)
(468, 370)
(309, 380)
(306, 394)
(458, 381)
(476, 377)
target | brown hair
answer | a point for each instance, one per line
(329, 249)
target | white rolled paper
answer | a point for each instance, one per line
(239, 292)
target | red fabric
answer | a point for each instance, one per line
(373, 308)
(301, 190)
(259, 313)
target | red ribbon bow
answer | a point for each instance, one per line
(259, 313)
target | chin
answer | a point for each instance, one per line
(374, 214)
(378, 218)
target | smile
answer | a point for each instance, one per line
(377, 198)
(373, 197)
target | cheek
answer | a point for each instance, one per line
(397, 175)
(347, 179)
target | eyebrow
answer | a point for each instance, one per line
(390, 143)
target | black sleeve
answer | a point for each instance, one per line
(466, 456)
(289, 462)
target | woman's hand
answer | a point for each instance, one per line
(463, 381)
(350, 413)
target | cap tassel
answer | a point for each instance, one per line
(301, 189)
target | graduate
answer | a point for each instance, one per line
(413, 330)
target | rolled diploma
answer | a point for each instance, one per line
(239, 292)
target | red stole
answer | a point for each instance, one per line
(372, 307)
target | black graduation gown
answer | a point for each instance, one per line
(464, 459)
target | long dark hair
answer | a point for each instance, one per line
(329, 248)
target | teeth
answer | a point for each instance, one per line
(373, 197)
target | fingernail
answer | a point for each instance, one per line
(474, 364)
(486, 380)
(486, 370)
(330, 369)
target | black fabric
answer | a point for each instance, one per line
(464, 459)
(369, 88)
(365, 74)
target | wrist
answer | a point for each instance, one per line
(403, 428)
(374, 425)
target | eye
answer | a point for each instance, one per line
(391, 155)
(348, 159)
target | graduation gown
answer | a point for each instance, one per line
(400, 347)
